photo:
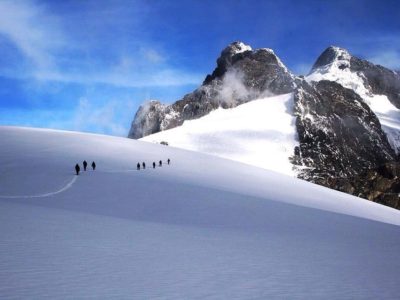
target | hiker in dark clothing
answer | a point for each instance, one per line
(77, 169)
(138, 166)
(93, 166)
(143, 165)
(160, 163)
(168, 160)
(154, 165)
(84, 165)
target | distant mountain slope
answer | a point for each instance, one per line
(201, 227)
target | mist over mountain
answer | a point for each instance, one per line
(346, 116)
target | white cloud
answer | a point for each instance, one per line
(132, 79)
(32, 31)
(111, 118)
(388, 58)
(302, 69)
(38, 35)
(152, 55)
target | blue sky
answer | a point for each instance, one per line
(87, 65)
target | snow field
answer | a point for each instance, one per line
(203, 227)
(260, 133)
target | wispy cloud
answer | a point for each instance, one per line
(56, 55)
(379, 48)
(388, 58)
(161, 78)
(152, 55)
(32, 31)
(302, 68)
(104, 118)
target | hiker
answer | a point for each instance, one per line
(84, 165)
(93, 165)
(160, 163)
(154, 165)
(143, 165)
(77, 169)
(168, 160)
(138, 166)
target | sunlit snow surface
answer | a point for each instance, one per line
(387, 113)
(261, 133)
(202, 227)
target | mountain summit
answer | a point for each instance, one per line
(338, 64)
(241, 75)
(342, 120)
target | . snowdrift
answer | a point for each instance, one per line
(202, 227)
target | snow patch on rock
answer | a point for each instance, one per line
(339, 71)
(241, 47)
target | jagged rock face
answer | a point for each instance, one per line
(379, 80)
(241, 75)
(261, 68)
(381, 184)
(339, 135)
(147, 119)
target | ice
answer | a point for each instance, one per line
(202, 227)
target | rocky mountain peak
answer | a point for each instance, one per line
(365, 78)
(243, 58)
(235, 48)
(332, 56)
(226, 58)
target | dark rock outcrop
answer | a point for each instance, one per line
(381, 184)
(338, 133)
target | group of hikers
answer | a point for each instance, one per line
(143, 165)
(78, 168)
(154, 164)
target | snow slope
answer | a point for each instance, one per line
(202, 227)
(260, 133)
(339, 71)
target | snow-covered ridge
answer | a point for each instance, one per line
(261, 133)
(339, 70)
